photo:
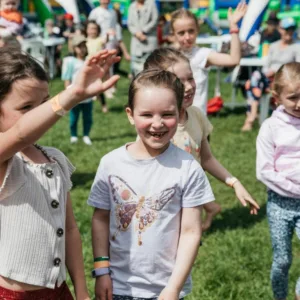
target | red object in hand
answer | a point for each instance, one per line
(214, 105)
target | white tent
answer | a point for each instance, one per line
(70, 7)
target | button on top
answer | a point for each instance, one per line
(49, 173)
(57, 262)
(60, 232)
(54, 204)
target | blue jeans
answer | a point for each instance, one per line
(87, 110)
(284, 217)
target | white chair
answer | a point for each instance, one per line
(36, 49)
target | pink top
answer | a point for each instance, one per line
(278, 154)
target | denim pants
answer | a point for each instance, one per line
(284, 218)
(87, 110)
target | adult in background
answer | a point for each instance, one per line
(106, 18)
(281, 52)
(142, 24)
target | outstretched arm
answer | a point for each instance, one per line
(213, 167)
(31, 126)
(189, 241)
(233, 58)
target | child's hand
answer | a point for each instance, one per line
(89, 81)
(103, 288)
(168, 294)
(245, 197)
(237, 15)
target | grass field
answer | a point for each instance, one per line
(235, 259)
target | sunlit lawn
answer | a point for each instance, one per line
(235, 259)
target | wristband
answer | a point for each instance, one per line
(230, 181)
(99, 272)
(101, 264)
(234, 30)
(101, 258)
(57, 108)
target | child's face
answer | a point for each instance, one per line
(185, 31)
(9, 5)
(290, 99)
(25, 95)
(155, 117)
(184, 72)
(92, 31)
(69, 23)
(81, 50)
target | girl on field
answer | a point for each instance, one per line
(95, 43)
(146, 224)
(194, 128)
(39, 238)
(184, 25)
(277, 166)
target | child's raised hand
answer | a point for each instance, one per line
(168, 294)
(245, 197)
(237, 15)
(89, 81)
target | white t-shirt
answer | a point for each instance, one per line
(198, 59)
(145, 198)
(105, 18)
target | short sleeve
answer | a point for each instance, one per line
(67, 68)
(197, 190)
(100, 195)
(206, 126)
(201, 56)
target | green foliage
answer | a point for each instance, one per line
(235, 259)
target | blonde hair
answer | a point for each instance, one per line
(182, 13)
(287, 73)
(164, 58)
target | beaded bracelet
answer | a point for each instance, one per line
(100, 272)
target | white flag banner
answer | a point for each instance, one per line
(70, 7)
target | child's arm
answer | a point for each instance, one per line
(189, 241)
(33, 124)
(100, 240)
(213, 167)
(74, 258)
(232, 59)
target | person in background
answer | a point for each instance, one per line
(11, 20)
(106, 18)
(71, 67)
(162, 31)
(281, 52)
(142, 23)
(122, 49)
(69, 30)
(95, 43)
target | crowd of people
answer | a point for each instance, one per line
(146, 226)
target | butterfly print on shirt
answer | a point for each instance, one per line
(129, 204)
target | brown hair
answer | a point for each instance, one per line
(92, 22)
(16, 65)
(287, 73)
(181, 14)
(164, 58)
(156, 78)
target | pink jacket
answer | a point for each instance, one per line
(278, 154)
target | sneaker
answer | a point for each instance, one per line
(74, 139)
(87, 140)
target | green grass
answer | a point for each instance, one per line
(235, 259)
